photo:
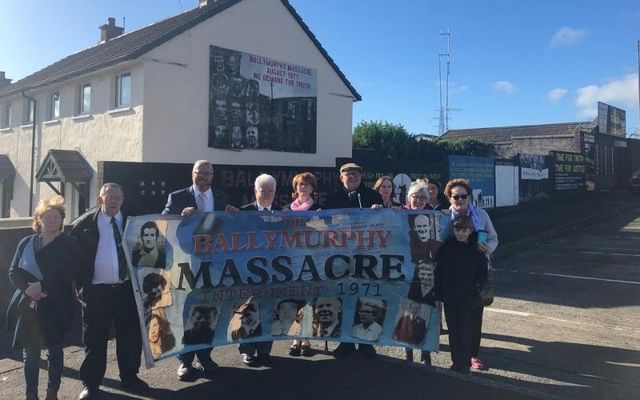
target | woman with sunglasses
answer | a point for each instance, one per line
(459, 193)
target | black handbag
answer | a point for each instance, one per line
(488, 291)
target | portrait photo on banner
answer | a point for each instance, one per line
(424, 236)
(369, 319)
(150, 248)
(201, 323)
(412, 322)
(161, 337)
(245, 322)
(258, 103)
(287, 318)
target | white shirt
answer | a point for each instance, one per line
(106, 262)
(371, 334)
(208, 198)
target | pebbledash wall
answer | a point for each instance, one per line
(104, 134)
(169, 113)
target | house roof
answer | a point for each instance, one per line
(135, 44)
(505, 133)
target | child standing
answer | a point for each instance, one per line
(461, 272)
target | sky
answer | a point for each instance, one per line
(521, 62)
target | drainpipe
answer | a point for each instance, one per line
(33, 149)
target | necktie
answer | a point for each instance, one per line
(323, 332)
(200, 202)
(123, 273)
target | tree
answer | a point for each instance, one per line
(392, 140)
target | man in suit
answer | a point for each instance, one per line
(411, 328)
(106, 288)
(264, 189)
(352, 193)
(199, 197)
(327, 317)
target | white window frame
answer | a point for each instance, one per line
(122, 95)
(6, 115)
(54, 112)
(29, 108)
(81, 99)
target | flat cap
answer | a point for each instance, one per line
(348, 166)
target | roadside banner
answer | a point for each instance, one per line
(349, 275)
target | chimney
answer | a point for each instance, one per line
(4, 81)
(109, 30)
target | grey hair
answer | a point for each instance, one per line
(418, 187)
(201, 162)
(265, 179)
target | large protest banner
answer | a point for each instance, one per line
(342, 275)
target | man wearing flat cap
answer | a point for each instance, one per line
(352, 193)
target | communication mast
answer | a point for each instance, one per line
(444, 57)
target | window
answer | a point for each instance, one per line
(54, 112)
(29, 106)
(84, 96)
(123, 90)
(6, 116)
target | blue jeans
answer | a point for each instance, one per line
(31, 358)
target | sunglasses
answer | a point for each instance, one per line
(460, 197)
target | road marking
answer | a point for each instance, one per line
(599, 253)
(587, 278)
(519, 313)
(606, 253)
(565, 321)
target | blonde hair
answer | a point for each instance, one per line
(54, 203)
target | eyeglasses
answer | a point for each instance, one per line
(460, 197)
(351, 174)
(461, 229)
(366, 312)
(423, 198)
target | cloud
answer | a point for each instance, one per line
(619, 92)
(567, 36)
(504, 86)
(556, 94)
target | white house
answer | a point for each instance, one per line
(152, 96)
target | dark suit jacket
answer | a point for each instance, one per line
(87, 233)
(183, 198)
(254, 207)
(242, 333)
(339, 198)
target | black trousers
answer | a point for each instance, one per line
(107, 304)
(476, 330)
(460, 326)
(204, 356)
(259, 348)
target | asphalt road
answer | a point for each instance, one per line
(564, 325)
(567, 318)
